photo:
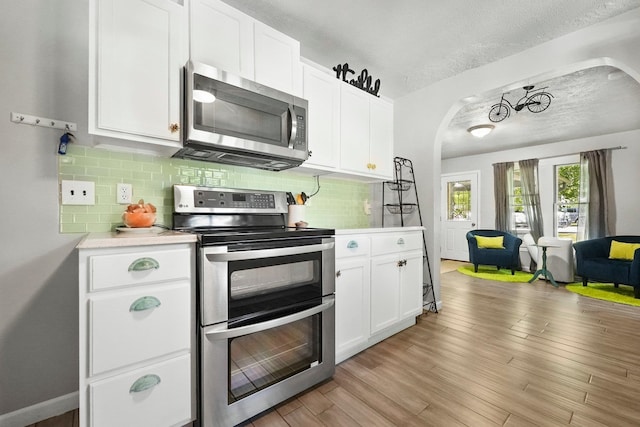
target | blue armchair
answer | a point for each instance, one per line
(593, 263)
(507, 257)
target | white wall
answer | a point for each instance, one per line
(422, 116)
(626, 172)
(43, 63)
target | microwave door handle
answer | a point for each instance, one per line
(293, 133)
(220, 332)
(268, 253)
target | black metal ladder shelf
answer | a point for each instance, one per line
(404, 180)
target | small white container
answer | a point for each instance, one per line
(296, 214)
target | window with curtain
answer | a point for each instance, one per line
(584, 205)
(597, 203)
(524, 199)
(567, 200)
(519, 220)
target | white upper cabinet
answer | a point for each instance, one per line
(354, 129)
(366, 133)
(277, 60)
(136, 54)
(381, 136)
(322, 90)
(222, 37)
(226, 38)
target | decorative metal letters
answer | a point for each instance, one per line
(362, 82)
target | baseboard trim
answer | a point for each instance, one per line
(40, 411)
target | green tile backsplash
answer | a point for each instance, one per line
(339, 204)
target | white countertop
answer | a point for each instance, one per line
(377, 230)
(116, 239)
(167, 237)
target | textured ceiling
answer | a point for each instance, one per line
(596, 101)
(410, 44)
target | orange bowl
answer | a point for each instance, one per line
(138, 219)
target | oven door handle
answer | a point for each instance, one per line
(220, 332)
(268, 253)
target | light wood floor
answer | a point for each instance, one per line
(508, 354)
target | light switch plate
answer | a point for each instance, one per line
(78, 192)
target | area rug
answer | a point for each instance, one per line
(606, 292)
(491, 273)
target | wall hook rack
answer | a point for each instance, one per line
(26, 119)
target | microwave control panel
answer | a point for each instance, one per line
(301, 130)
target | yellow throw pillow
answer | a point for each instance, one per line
(621, 250)
(490, 242)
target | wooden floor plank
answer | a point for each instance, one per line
(512, 354)
(357, 409)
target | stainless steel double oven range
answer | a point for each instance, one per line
(265, 301)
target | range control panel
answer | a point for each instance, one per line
(190, 199)
(225, 199)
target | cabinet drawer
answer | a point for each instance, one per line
(133, 268)
(349, 246)
(158, 395)
(396, 242)
(132, 326)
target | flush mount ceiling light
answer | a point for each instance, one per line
(480, 131)
(203, 96)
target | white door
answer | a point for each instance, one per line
(459, 196)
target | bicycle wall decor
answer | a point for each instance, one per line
(535, 100)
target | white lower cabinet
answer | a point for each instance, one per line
(352, 295)
(378, 287)
(385, 292)
(156, 395)
(394, 294)
(137, 335)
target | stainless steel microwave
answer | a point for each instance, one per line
(228, 119)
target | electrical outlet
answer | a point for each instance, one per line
(124, 193)
(78, 192)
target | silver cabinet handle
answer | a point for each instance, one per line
(145, 303)
(400, 241)
(143, 264)
(268, 253)
(220, 332)
(338, 273)
(352, 244)
(144, 383)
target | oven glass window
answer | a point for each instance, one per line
(266, 285)
(262, 280)
(265, 358)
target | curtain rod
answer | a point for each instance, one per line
(619, 147)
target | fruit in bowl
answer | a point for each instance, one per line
(139, 215)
